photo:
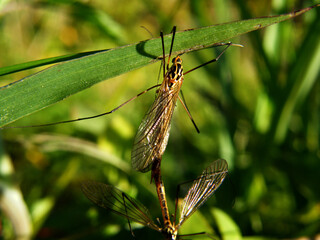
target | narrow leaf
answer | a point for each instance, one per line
(54, 84)
(42, 62)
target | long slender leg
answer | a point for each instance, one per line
(86, 118)
(124, 203)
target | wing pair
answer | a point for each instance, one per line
(153, 133)
(113, 199)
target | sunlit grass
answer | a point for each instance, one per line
(258, 107)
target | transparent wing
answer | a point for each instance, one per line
(153, 133)
(203, 187)
(113, 199)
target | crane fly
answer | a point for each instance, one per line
(111, 198)
(153, 133)
(152, 136)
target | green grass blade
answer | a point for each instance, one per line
(54, 84)
(227, 227)
(304, 76)
(42, 62)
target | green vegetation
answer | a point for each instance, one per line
(258, 107)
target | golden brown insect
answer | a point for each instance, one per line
(202, 188)
(153, 133)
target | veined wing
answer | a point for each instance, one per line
(153, 133)
(113, 199)
(203, 187)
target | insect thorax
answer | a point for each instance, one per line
(175, 73)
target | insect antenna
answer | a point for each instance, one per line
(147, 30)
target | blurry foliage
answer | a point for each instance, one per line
(258, 108)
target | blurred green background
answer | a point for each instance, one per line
(258, 107)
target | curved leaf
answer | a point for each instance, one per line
(54, 84)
